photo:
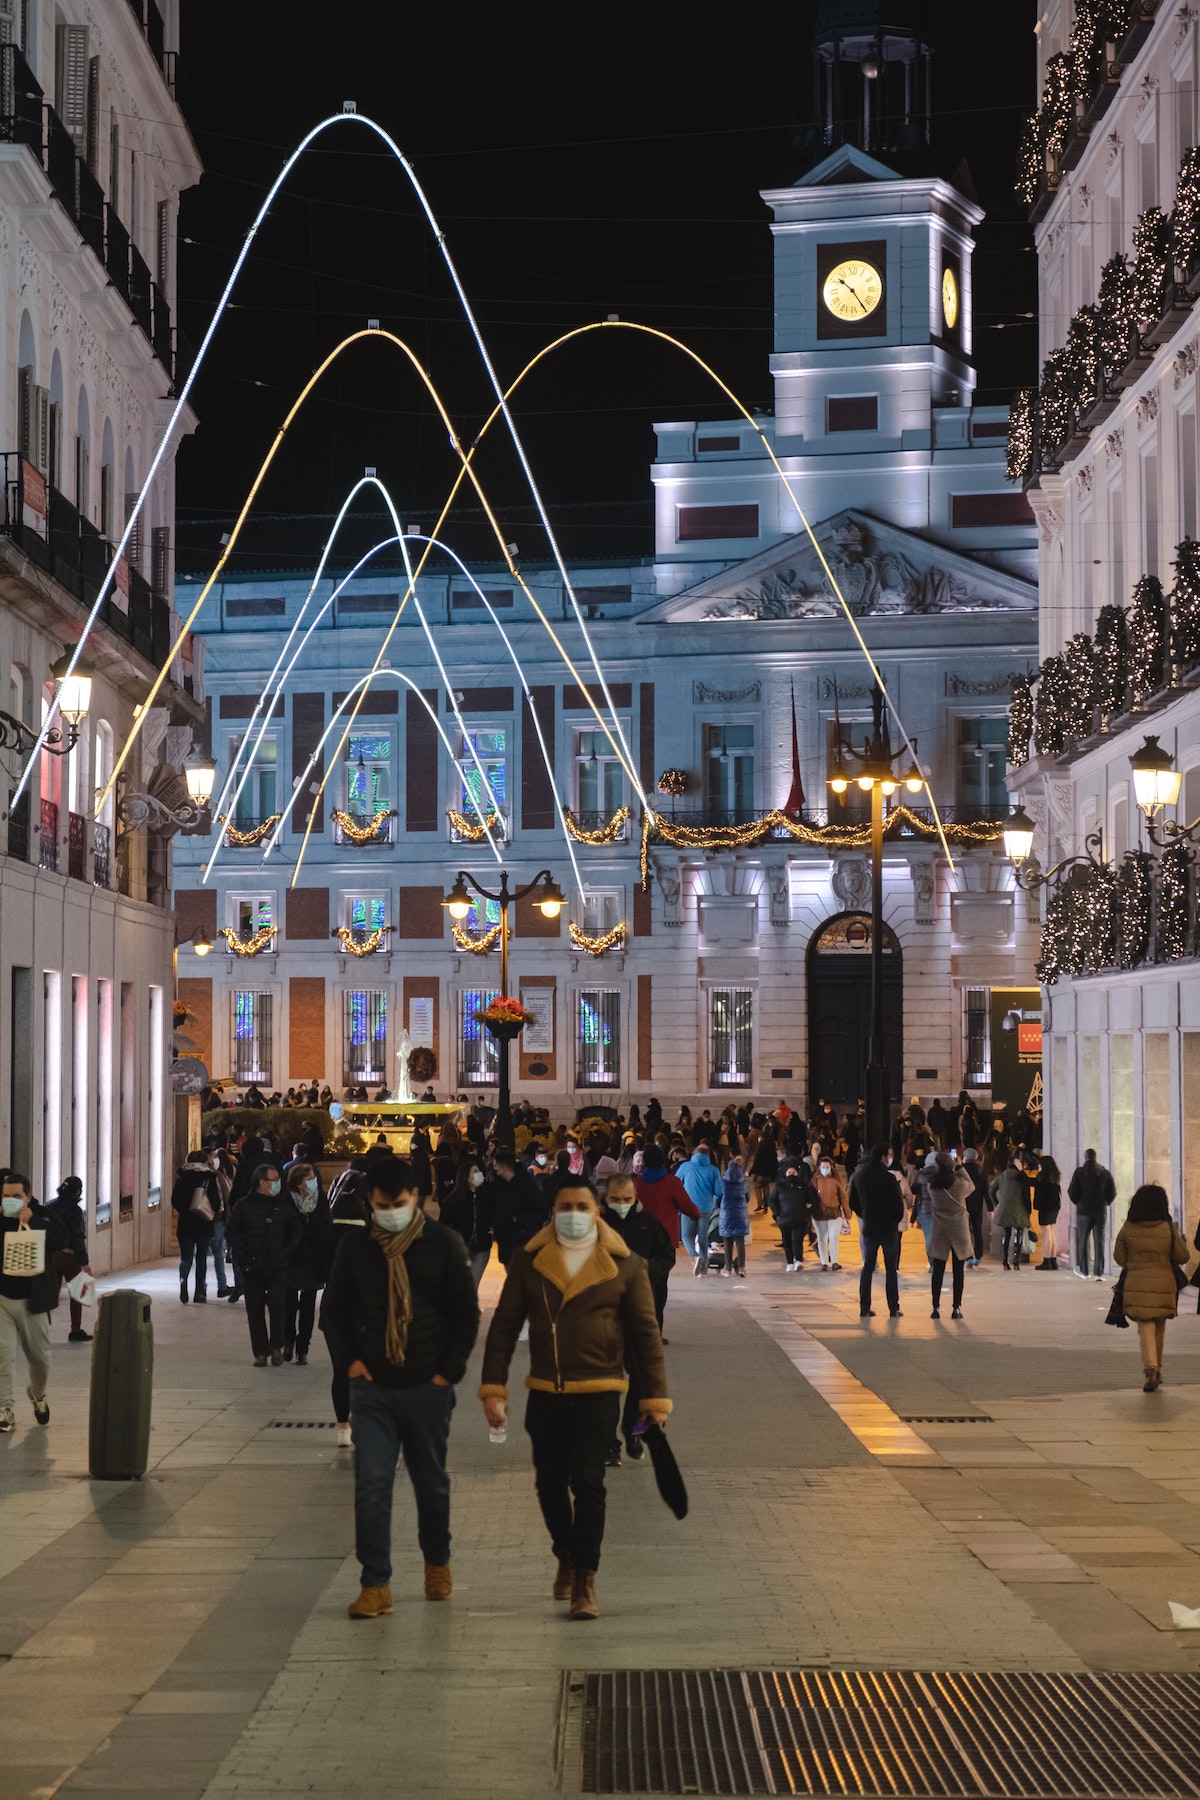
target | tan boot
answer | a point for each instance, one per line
(563, 1583)
(438, 1585)
(583, 1594)
(371, 1603)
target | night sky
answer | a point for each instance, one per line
(581, 163)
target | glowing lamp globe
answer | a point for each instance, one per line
(200, 774)
(550, 900)
(1156, 780)
(458, 901)
(1018, 837)
(75, 689)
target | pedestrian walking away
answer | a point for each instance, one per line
(400, 1317)
(647, 1239)
(1047, 1200)
(950, 1229)
(1010, 1200)
(733, 1218)
(263, 1231)
(67, 1205)
(1091, 1192)
(703, 1185)
(586, 1297)
(1151, 1250)
(876, 1198)
(196, 1203)
(304, 1272)
(26, 1302)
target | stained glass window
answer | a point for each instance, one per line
(478, 1051)
(364, 1035)
(251, 1036)
(599, 1039)
(368, 773)
(489, 749)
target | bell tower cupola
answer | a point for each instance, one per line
(872, 78)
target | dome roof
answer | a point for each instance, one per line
(905, 17)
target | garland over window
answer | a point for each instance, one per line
(247, 840)
(363, 834)
(604, 834)
(596, 946)
(472, 831)
(478, 946)
(251, 946)
(355, 946)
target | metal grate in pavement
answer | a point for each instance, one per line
(911, 1736)
(300, 1424)
(946, 1419)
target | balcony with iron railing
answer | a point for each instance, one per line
(17, 843)
(26, 119)
(362, 833)
(498, 825)
(48, 836)
(598, 821)
(77, 846)
(101, 865)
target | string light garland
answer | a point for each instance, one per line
(248, 840)
(1152, 259)
(355, 946)
(472, 831)
(1022, 436)
(251, 946)
(1079, 932)
(1051, 708)
(1146, 629)
(596, 946)
(355, 833)
(1114, 303)
(1174, 903)
(1056, 404)
(604, 834)
(478, 946)
(1020, 723)
(1184, 622)
(1079, 669)
(673, 783)
(1185, 219)
(1112, 663)
(1132, 909)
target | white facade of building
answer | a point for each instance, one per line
(1122, 1046)
(93, 155)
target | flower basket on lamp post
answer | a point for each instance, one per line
(505, 1018)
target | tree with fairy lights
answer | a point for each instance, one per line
(1051, 708)
(1084, 357)
(1146, 629)
(1056, 411)
(1112, 663)
(1079, 665)
(1115, 307)
(1185, 608)
(1022, 438)
(1020, 722)
(1132, 908)
(1174, 903)
(1152, 262)
(1079, 933)
(1185, 219)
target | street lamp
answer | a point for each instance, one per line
(1156, 784)
(74, 696)
(1018, 847)
(549, 898)
(200, 774)
(136, 809)
(876, 776)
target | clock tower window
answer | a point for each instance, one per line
(852, 412)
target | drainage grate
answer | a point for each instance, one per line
(946, 1419)
(920, 1736)
(300, 1424)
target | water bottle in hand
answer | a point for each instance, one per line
(498, 1434)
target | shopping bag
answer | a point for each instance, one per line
(1116, 1312)
(82, 1287)
(24, 1251)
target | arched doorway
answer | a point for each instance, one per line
(839, 1009)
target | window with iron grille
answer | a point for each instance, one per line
(364, 1036)
(251, 1036)
(598, 1039)
(730, 1037)
(478, 1051)
(977, 1018)
(488, 747)
(366, 914)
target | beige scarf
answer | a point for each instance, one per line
(394, 1245)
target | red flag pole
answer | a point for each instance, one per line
(794, 805)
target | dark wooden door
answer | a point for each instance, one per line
(839, 1025)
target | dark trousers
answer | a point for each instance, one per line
(194, 1249)
(390, 1423)
(735, 1252)
(793, 1240)
(937, 1265)
(571, 1435)
(889, 1243)
(1089, 1229)
(975, 1218)
(266, 1295)
(301, 1312)
(1015, 1236)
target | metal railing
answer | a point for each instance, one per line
(596, 821)
(77, 846)
(101, 872)
(48, 836)
(18, 829)
(499, 831)
(385, 835)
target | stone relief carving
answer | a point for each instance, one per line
(1083, 480)
(1184, 364)
(1185, 18)
(1113, 142)
(873, 579)
(87, 345)
(1114, 446)
(702, 691)
(29, 269)
(1147, 407)
(829, 689)
(667, 876)
(852, 881)
(779, 893)
(1147, 89)
(988, 684)
(1049, 518)
(924, 892)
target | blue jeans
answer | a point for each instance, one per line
(889, 1243)
(217, 1251)
(695, 1236)
(1089, 1229)
(387, 1423)
(197, 1249)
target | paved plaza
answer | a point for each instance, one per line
(995, 1494)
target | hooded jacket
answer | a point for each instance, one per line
(665, 1198)
(876, 1197)
(1092, 1189)
(647, 1238)
(702, 1181)
(792, 1198)
(193, 1179)
(1010, 1197)
(580, 1325)
(734, 1218)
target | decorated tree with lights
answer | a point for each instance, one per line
(1146, 628)
(1174, 903)
(1020, 722)
(1079, 933)
(1132, 908)
(1185, 219)
(1112, 663)
(1184, 608)
(1022, 434)
(1153, 257)
(1083, 357)
(1086, 43)
(1057, 410)
(1115, 307)
(1031, 159)
(1079, 664)
(1051, 708)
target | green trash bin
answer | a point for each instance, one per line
(122, 1385)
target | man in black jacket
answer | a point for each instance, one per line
(521, 1205)
(647, 1238)
(875, 1196)
(263, 1231)
(1091, 1192)
(26, 1301)
(400, 1317)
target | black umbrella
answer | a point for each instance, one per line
(666, 1471)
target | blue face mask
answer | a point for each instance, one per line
(12, 1204)
(273, 1187)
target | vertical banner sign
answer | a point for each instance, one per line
(1016, 1033)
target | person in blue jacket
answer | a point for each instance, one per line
(701, 1179)
(734, 1218)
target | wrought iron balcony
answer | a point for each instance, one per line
(48, 836)
(101, 867)
(77, 846)
(596, 821)
(350, 834)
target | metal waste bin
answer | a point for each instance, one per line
(122, 1385)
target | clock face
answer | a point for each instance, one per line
(852, 290)
(950, 298)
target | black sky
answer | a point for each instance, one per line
(581, 163)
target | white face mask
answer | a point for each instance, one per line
(622, 1208)
(574, 1227)
(393, 1218)
(475, 1179)
(310, 1186)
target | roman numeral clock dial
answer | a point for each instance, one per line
(852, 290)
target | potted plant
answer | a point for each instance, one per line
(504, 1017)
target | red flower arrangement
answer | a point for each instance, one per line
(506, 1012)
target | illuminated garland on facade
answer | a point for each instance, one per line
(606, 834)
(360, 946)
(1072, 78)
(472, 831)
(1185, 608)
(1020, 723)
(1057, 401)
(1146, 626)
(1079, 934)
(251, 946)
(1112, 662)
(1152, 261)
(900, 820)
(362, 834)
(1185, 220)
(1132, 909)
(673, 783)
(1114, 303)
(1022, 441)
(1051, 708)
(1174, 903)
(248, 840)
(1104, 918)
(1079, 668)
(478, 946)
(596, 946)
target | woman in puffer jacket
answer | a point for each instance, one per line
(734, 1216)
(1149, 1248)
(949, 1188)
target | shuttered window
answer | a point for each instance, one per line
(71, 81)
(730, 1037)
(251, 1036)
(364, 1036)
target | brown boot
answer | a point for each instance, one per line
(438, 1585)
(583, 1594)
(371, 1603)
(563, 1582)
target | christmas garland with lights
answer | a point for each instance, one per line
(1022, 439)
(1051, 709)
(606, 834)
(248, 840)
(1146, 625)
(1056, 405)
(673, 782)
(365, 946)
(251, 946)
(1079, 934)
(596, 946)
(1083, 358)
(1174, 903)
(478, 946)
(1152, 262)
(472, 831)
(1185, 219)
(1111, 662)
(1020, 723)
(355, 833)
(1132, 908)
(1079, 666)
(1184, 609)
(1114, 305)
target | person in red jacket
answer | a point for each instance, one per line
(663, 1196)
